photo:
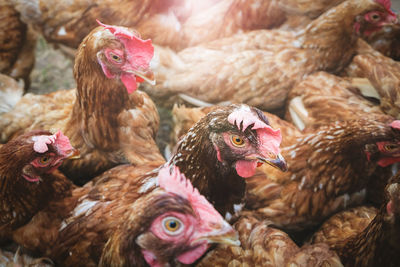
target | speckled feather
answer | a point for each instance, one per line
(382, 72)
(313, 101)
(366, 236)
(262, 245)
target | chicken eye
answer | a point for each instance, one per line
(44, 160)
(375, 17)
(172, 225)
(115, 57)
(237, 141)
(391, 147)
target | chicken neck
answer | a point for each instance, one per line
(218, 182)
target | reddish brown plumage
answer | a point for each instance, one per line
(313, 102)
(262, 245)
(382, 72)
(365, 236)
(217, 180)
(260, 67)
(108, 125)
(21, 199)
(329, 170)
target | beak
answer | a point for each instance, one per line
(147, 75)
(224, 235)
(278, 162)
(73, 154)
(391, 19)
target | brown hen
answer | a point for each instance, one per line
(366, 236)
(260, 67)
(29, 177)
(105, 117)
(329, 169)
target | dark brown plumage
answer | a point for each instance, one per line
(29, 180)
(329, 170)
(215, 173)
(105, 118)
(374, 240)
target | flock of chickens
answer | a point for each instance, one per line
(288, 159)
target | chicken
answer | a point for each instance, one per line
(262, 245)
(29, 178)
(236, 140)
(329, 170)
(313, 102)
(17, 43)
(384, 75)
(163, 224)
(366, 236)
(106, 118)
(260, 67)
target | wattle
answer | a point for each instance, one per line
(245, 168)
(129, 80)
(192, 255)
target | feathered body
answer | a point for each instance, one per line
(329, 169)
(105, 118)
(365, 236)
(260, 67)
(262, 245)
(382, 72)
(313, 101)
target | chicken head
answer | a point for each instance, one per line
(124, 55)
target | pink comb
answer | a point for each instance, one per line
(177, 183)
(60, 141)
(140, 52)
(245, 116)
(270, 138)
(395, 124)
